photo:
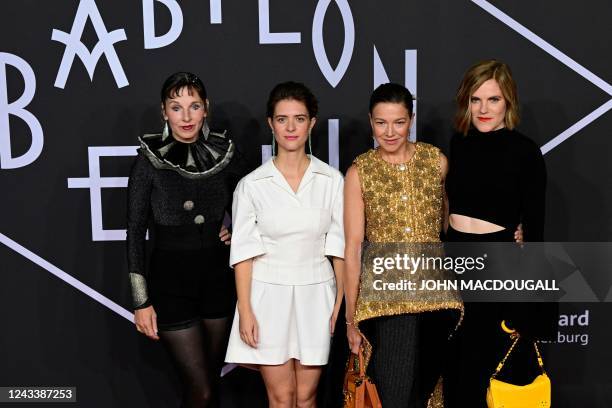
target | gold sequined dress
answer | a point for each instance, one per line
(403, 203)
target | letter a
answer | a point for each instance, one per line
(74, 46)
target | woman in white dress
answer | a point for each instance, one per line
(287, 221)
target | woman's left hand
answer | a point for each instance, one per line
(225, 235)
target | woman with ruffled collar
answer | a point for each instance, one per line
(180, 187)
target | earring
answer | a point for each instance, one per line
(205, 130)
(309, 141)
(166, 131)
(273, 140)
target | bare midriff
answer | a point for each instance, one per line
(463, 223)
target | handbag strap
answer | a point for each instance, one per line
(516, 338)
(358, 363)
(540, 361)
(361, 367)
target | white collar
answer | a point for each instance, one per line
(268, 169)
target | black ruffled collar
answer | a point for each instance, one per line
(208, 155)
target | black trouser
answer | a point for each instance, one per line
(408, 355)
(480, 344)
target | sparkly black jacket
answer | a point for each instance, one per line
(174, 184)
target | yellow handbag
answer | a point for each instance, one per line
(504, 395)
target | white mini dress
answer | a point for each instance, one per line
(290, 237)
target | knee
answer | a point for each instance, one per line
(282, 396)
(306, 403)
(306, 398)
(200, 399)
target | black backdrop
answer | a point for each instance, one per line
(64, 295)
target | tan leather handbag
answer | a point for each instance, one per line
(359, 390)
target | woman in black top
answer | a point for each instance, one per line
(496, 181)
(180, 187)
(498, 177)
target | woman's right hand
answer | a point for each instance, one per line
(518, 235)
(354, 338)
(249, 330)
(146, 322)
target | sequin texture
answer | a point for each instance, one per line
(403, 203)
(139, 289)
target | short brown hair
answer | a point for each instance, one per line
(473, 79)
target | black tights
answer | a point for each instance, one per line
(198, 353)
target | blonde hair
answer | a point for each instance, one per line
(473, 79)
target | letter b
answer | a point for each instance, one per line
(17, 108)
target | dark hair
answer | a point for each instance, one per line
(392, 93)
(179, 80)
(295, 91)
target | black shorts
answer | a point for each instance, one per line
(189, 285)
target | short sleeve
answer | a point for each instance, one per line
(334, 240)
(246, 239)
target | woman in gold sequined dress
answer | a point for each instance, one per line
(394, 193)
